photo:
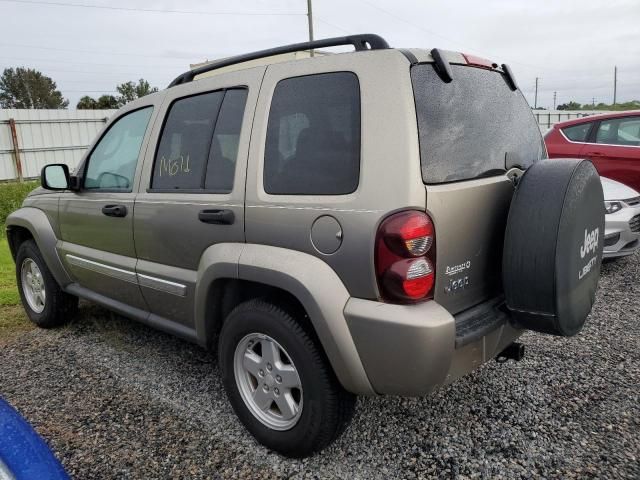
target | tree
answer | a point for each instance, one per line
(87, 103)
(569, 106)
(632, 105)
(28, 88)
(105, 102)
(130, 91)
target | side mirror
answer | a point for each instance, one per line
(55, 177)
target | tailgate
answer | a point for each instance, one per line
(470, 220)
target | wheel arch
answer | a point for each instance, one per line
(231, 273)
(32, 223)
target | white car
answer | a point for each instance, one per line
(622, 219)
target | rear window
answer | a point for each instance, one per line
(472, 126)
(577, 133)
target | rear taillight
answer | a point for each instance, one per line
(405, 255)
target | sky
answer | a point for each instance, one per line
(572, 46)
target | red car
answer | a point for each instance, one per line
(611, 141)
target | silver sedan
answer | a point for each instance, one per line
(622, 219)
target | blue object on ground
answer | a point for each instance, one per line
(23, 454)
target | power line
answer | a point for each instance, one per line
(89, 91)
(147, 10)
(93, 52)
(391, 14)
(56, 62)
(322, 20)
(102, 74)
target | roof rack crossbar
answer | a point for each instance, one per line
(366, 41)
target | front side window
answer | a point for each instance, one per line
(577, 133)
(199, 143)
(112, 164)
(619, 131)
(313, 136)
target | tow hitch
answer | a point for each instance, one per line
(515, 351)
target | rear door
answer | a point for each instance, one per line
(192, 193)
(614, 148)
(471, 130)
(96, 222)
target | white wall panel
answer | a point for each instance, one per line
(47, 136)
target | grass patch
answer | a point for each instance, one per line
(8, 291)
(11, 197)
(12, 317)
(13, 320)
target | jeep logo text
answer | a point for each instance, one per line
(590, 242)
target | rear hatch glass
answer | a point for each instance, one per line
(472, 126)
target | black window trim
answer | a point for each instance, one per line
(85, 165)
(590, 132)
(264, 141)
(594, 132)
(209, 191)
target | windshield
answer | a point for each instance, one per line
(473, 126)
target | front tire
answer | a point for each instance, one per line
(279, 382)
(44, 301)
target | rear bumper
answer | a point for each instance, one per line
(411, 349)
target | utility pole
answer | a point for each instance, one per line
(615, 83)
(593, 101)
(555, 95)
(310, 19)
(535, 98)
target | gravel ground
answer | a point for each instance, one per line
(118, 400)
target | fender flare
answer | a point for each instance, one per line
(38, 224)
(313, 282)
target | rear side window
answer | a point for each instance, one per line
(313, 136)
(199, 143)
(577, 133)
(619, 131)
(473, 126)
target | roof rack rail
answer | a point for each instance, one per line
(366, 41)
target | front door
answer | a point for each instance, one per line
(193, 184)
(96, 222)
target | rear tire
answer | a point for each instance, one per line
(44, 301)
(255, 330)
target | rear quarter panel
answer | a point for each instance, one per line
(390, 176)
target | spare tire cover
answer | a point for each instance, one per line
(553, 246)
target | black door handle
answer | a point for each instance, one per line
(114, 210)
(217, 217)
